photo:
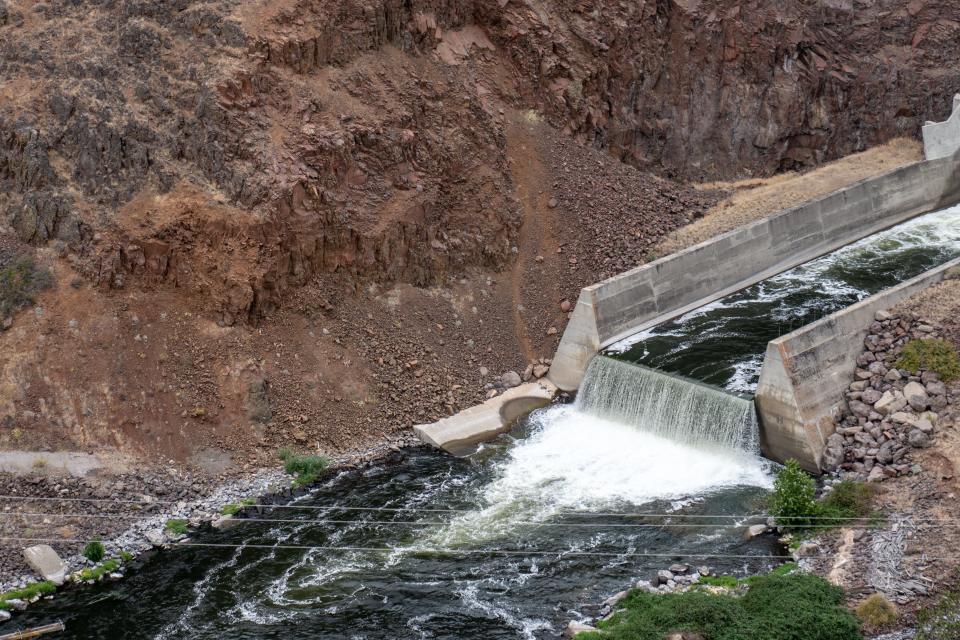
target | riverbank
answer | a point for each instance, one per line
(129, 523)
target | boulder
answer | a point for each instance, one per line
(574, 627)
(886, 452)
(755, 530)
(890, 402)
(892, 376)
(662, 577)
(916, 396)
(678, 568)
(918, 439)
(540, 370)
(923, 425)
(870, 396)
(45, 561)
(876, 474)
(859, 408)
(511, 379)
(902, 417)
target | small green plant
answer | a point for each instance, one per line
(793, 500)
(99, 571)
(876, 612)
(19, 282)
(933, 355)
(248, 502)
(304, 468)
(176, 526)
(94, 551)
(727, 582)
(849, 499)
(126, 556)
(28, 592)
(731, 582)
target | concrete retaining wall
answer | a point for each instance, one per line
(654, 293)
(942, 139)
(806, 372)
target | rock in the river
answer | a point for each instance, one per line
(663, 577)
(45, 561)
(755, 530)
(575, 627)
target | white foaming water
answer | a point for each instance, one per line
(575, 461)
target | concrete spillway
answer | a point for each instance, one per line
(668, 406)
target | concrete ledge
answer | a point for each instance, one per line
(459, 434)
(654, 293)
(805, 373)
(942, 139)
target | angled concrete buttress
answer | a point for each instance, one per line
(460, 433)
(669, 287)
(806, 372)
(942, 139)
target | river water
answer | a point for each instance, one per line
(723, 343)
(534, 528)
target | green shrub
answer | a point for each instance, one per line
(728, 582)
(797, 606)
(933, 355)
(849, 499)
(231, 509)
(94, 551)
(176, 526)
(305, 468)
(876, 612)
(126, 556)
(19, 281)
(793, 500)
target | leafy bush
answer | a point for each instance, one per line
(793, 500)
(176, 526)
(94, 551)
(775, 607)
(876, 611)
(305, 468)
(19, 281)
(933, 355)
(126, 556)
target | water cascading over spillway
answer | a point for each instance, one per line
(668, 406)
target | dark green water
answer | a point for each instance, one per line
(723, 343)
(425, 588)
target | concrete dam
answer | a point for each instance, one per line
(884, 239)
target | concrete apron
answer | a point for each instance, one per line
(806, 372)
(460, 434)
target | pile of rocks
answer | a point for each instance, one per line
(677, 575)
(534, 371)
(889, 410)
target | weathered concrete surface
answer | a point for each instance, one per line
(656, 292)
(942, 139)
(45, 561)
(805, 373)
(460, 433)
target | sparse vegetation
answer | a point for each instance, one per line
(176, 526)
(931, 354)
(304, 468)
(797, 606)
(94, 551)
(876, 612)
(27, 593)
(941, 621)
(99, 571)
(19, 282)
(230, 509)
(731, 582)
(795, 507)
(126, 556)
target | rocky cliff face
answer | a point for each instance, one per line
(363, 136)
